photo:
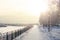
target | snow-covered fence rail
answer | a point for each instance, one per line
(25, 29)
(10, 33)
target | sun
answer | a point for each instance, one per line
(38, 6)
(32, 7)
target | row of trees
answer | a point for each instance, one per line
(52, 16)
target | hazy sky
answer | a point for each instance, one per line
(21, 11)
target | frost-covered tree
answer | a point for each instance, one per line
(51, 16)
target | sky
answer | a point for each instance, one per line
(21, 11)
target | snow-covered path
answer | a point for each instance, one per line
(37, 33)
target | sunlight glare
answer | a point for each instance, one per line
(33, 7)
(38, 7)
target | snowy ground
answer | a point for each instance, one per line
(38, 33)
(10, 28)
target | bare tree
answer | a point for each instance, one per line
(50, 18)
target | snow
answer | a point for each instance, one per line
(9, 29)
(40, 33)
